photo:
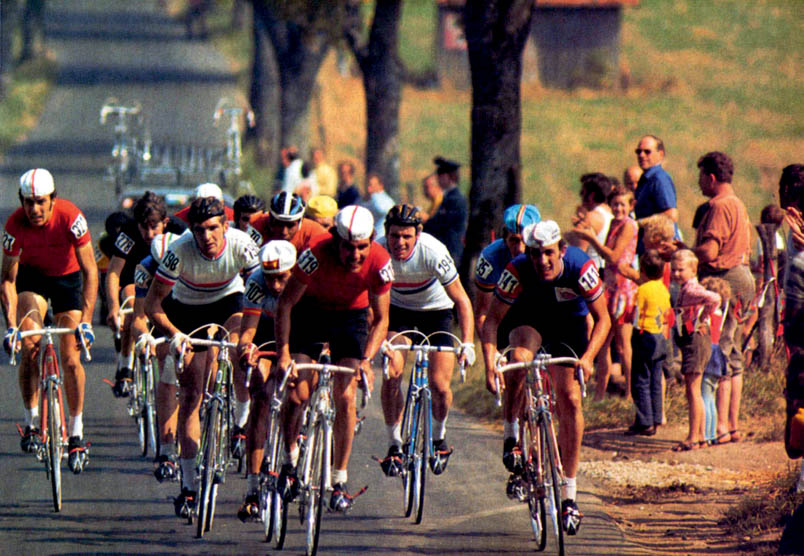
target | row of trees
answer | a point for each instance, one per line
(22, 19)
(292, 38)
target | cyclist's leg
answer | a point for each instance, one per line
(344, 391)
(126, 336)
(242, 398)
(298, 394)
(257, 429)
(28, 371)
(167, 403)
(192, 382)
(526, 342)
(73, 370)
(391, 394)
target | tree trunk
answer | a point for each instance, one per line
(496, 33)
(382, 82)
(767, 321)
(8, 23)
(265, 94)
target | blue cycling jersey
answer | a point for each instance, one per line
(490, 265)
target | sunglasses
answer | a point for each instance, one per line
(640, 151)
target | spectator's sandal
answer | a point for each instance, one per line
(685, 446)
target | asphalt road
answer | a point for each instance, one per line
(131, 51)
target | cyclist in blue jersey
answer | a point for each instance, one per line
(546, 293)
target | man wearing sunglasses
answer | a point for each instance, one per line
(655, 192)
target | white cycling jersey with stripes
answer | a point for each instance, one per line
(198, 280)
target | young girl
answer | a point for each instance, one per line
(619, 249)
(716, 366)
(693, 307)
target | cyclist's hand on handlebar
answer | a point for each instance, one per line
(586, 366)
(84, 330)
(111, 319)
(493, 379)
(145, 340)
(246, 354)
(466, 356)
(367, 374)
(177, 344)
(12, 337)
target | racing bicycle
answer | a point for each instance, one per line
(125, 152)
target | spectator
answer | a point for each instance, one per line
(631, 177)
(307, 187)
(716, 366)
(593, 213)
(433, 194)
(655, 190)
(324, 174)
(322, 209)
(649, 346)
(378, 202)
(292, 176)
(791, 185)
(695, 304)
(722, 244)
(448, 223)
(348, 192)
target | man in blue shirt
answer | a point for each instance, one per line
(448, 224)
(655, 192)
(378, 203)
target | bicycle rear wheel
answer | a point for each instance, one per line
(533, 477)
(423, 436)
(137, 402)
(317, 486)
(54, 444)
(553, 492)
(209, 446)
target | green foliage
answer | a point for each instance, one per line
(25, 99)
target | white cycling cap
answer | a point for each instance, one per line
(277, 256)
(543, 233)
(208, 190)
(36, 183)
(354, 223)
(160, 244)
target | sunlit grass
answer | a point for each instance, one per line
(25, 99)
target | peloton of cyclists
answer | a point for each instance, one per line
(285, 220)
(48, 256)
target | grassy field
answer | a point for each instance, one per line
(20, 109)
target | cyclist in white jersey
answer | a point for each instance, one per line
(202, 273)
(426, 288)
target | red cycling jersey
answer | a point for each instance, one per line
(334, 287)
(307, 230)
(181, 214)
(49, 248)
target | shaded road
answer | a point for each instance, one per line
(131, 51)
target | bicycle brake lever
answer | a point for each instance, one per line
(249, 368)
(499, 394)
(581, 380)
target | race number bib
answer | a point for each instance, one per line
(307, 262)
(387, 273)
(142, 278)
(8, 241)
(79, 226)
(254, 293)
(170, 261)
(508, 282)
(124, 243)
(483, 268)
(590, 279)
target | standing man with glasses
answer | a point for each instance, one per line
(655, 192)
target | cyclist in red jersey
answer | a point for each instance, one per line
(333, 284)
(285, 220)
(48, 255)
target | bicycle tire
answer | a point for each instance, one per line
(532, 475)
(208, 445)
(424, 424)
(150, 409)
(138, 403)
(408, 451)
(54, 444)
(551, 470)
(317, 485)
(270, 508)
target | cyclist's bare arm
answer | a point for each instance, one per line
(8, 289)
(140, 323)
(482, 304)
(488, 341)
(291, 295)
(378, 329)
(248, 329)
(458, 296)
(600, 330)
(89, 268)
(153, 307)
(113, 288)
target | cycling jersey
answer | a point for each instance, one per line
(420, 279)
(258, 298)
(334, 287)
(259, 230)
(143, 276)
(566, 296)
(490, 265)
(50, 249)
(132, 248)
(197, 280)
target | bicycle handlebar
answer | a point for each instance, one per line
(250, 368)
(200, 342)
(118, 109)
(52, 331)
(337, 369)
(541, 361)
(426, 348)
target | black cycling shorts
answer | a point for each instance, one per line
(426, 322)
(65, 293)
(561, 337)
(189, 317)
(346, 331)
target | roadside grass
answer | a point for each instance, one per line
(25, 99)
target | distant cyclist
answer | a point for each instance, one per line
(263, 287)
(199, 281)
(548, 291)
(334, 283)
(285, 220)
(48, 256)
(426, 288)
(246, 208)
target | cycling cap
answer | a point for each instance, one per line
(518, 217)
(277, 256)
(248, 203)
(354, 223)
(208, 190)
(544, 233)
(322, 206)
(160, 244)
(403, 215)
(36, 183)
(287, 207)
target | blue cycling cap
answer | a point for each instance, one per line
(516, 217)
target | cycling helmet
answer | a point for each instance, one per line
(204, 208)
(518, 217)
(208, 190)
(403, 215)
(248, 203)
(277, 256)
(37, 182)
(321, 206)
(287, 207)
(160, 244)
(544, 233)
(354, 223)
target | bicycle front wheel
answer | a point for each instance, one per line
(54, 444)
(271, 503)
(318, 486)
(409, 445)
(137, 401)
(150, 409)
(550, 459)
(209, 447)
(423, 441)
(533, 478)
